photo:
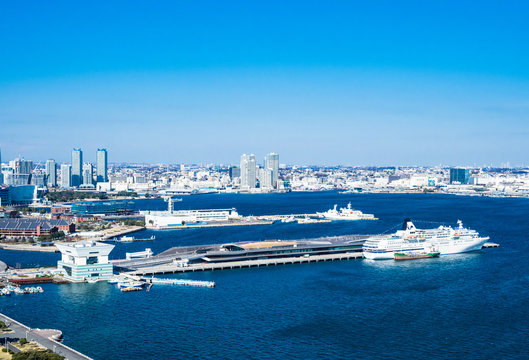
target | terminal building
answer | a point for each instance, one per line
(85, 260)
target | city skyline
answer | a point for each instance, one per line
(351, 84)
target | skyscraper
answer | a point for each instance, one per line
(102, 165)
(272, 164)
(77, 167)
(66, 176)
(248, 178)
(88, 174)
(51, 173)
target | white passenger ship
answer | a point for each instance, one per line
(443, 239)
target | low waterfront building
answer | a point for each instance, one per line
(76, 218)
(33, 227)
(61, 209)
(85, 260)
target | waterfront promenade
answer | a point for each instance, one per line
(22, 331)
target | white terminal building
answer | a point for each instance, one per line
(85, 260)
(172, 218)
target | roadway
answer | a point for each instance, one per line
(20, 330)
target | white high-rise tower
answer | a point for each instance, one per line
(248, 178)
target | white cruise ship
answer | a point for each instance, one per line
(345, 214)
(443, 239)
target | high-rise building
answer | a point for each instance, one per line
(39, 180)
(272, 164)
(51, 173)
(77, 167)
(88, 174)
(235, 172)
(248, 169)
(23, 167)
(459, 175)
(66, 176)
(102, 165)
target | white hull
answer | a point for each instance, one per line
(453, 247)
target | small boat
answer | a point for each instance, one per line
(415, 255)
(131, 288)
(115, 279)
(126, 239)
(130, 283)
(92, 281)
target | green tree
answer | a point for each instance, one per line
(37, 355)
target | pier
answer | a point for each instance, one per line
(178, 268)
(120, 231)
(213, 224)
(20, 330)
(181, 282)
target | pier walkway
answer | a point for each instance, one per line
(22, 331)
(178, 268)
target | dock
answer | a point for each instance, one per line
(181, 282)
(28, 247)
(212, 224)
(120, 231)
(178, 268)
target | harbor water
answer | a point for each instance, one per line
(472, 305)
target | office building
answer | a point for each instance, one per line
(235, 172)
(88, 174)
(102, 165)
(51, 173)
(248, 171)
(66, 176)
(272, 164)
(77, 167)
(17, 179)
(39, 180)
(459, 176)
(22, 167)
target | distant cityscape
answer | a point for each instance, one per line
(25, 182)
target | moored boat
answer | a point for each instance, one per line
(415, 255)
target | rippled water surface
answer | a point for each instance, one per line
(460, 306)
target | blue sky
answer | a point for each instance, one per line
(356, 83)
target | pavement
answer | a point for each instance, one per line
(21, 330)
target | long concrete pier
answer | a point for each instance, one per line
(178, 268)
(22, 331)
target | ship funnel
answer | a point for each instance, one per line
(408, 225)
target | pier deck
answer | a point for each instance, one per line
(173, 268)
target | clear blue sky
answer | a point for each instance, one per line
(319, 82)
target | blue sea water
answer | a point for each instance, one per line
(472, 306)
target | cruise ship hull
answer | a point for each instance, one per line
(454, 247)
